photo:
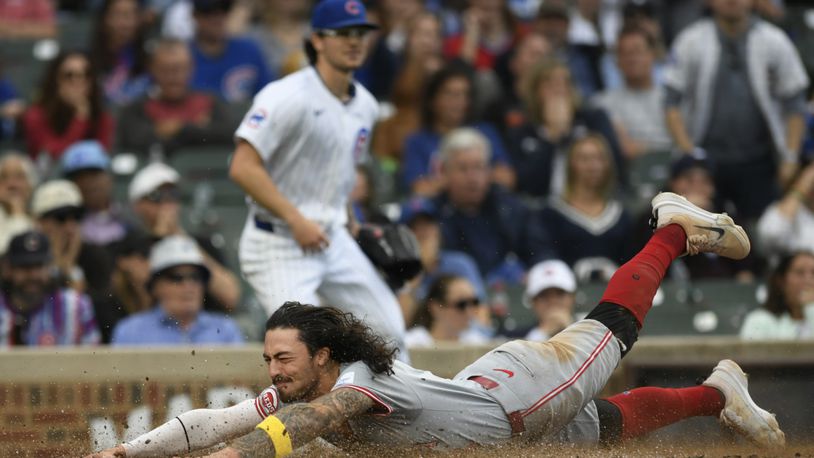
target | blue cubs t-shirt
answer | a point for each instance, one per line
(236, 75)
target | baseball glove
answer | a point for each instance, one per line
(393, 249)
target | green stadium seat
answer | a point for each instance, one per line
(647, 174)
(712, 307)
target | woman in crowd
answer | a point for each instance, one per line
(69, 108)
(118, 51)
(451, 312)
(589, 226)
(556, 116)
(447, 105)
(422, 58)
(788, 312)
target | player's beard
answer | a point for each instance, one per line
(305, 393)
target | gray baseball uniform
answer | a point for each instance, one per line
(542, 389)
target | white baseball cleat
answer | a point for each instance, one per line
(740, 411)
(707, 232)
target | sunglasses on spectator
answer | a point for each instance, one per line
(349, 32)
(164, 195)
(463, 304)
(72, 75)
(63, 215)
(178, 278)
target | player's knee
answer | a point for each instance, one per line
(619, 320)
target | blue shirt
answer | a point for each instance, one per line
(421, 152)
(236, 75)
(155, 327)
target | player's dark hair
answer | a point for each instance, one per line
(348, 338)
(455, 69)
(776, 301)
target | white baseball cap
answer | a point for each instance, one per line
(549, 274)
(151, 178)
(54, 195)
(175, 250)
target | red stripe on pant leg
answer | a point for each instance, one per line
(553, 393)
(650, 408)
(634, 285)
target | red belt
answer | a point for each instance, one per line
(515, 418)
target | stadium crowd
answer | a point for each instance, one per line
(520, 141)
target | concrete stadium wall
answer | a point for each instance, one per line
(64, 401)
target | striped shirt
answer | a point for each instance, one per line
(65, 318)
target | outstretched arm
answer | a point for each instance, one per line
(303, 423)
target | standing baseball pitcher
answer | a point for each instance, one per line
(296, 153)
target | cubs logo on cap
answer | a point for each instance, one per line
(340, 14)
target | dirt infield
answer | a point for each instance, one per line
(525, 451)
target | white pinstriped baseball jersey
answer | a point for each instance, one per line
(310, 142)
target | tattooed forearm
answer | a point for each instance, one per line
(329, 413)
(305, 422)
(254, 444)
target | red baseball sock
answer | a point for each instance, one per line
(648, 409)
(635, 283)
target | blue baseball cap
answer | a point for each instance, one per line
(415, 207)
(340, 14)
(84, 155)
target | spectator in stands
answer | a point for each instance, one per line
(788, 312)
(57, 207)
(637, 108)
(18, 178)
(70, 108)
(489, 30)
(553, 22)
(155, 197)
(173, 116)
(506, 111)
(178, 279)
(483, 220)
(446, 106)
(555, 117)
(743, 103)
(12, 107)
(27, 19)
(550, 289)
(232, 68)
(421, 59)
(420, 215)
(280, 33)
(117, 51)
(593, 29)
(589, 227)
(87, 165)
(447, 314)
(36, 311)
(691, 177)
(131, 274)
(788, 224)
